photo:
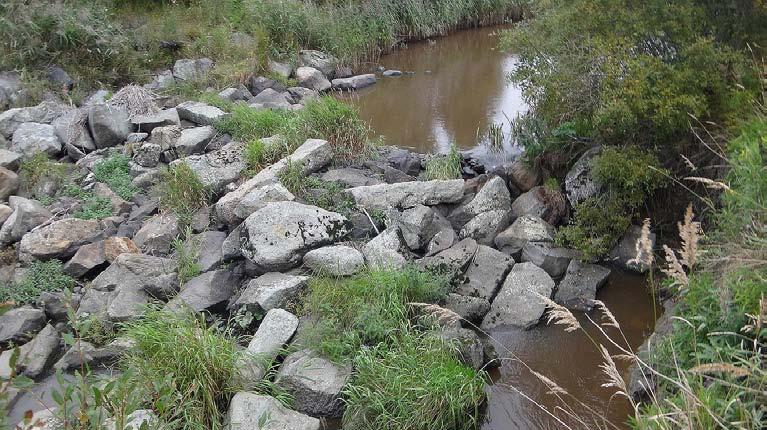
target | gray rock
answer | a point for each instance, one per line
(468, 307)
(486, 272)
(194, 140)
(9, 183)
(45, 419)
(31, 138)
(325, 63)
(211, 254)
(230, 249)
(579, 287)
(84, 353)
(147, 154)
(248, 411)
(624, 254)
(44, 113)
(71, 130)
(416, 224)
(404, 161)
(166, 136)
(207, 290)
(303, 95)
(27, 214)
(5, 212)
(494, 196)
(137, 420)
(309, 77)
(386, 250)
(59, 239)
(314, 382)
(517, 303)
(157, 234)
(523, 176)
(109, 125)
(59, 77)
(408, 194)
(119, 206)
(188, 70)
(542, 202)
(392, 73)
(98, 97)
(36, 355)
(277, 235)
(270, 99)
(281, 69)
(55, 304)
(453, 260)
(136, 137)
(442, 240)
(218, 168)
(547, 256)
(199, 113)
(234, 94)
(275, 331)
(20, 324)
(354, 83)
(579, 184)
(257, 84)
(148, 122)
(161, 81)
(468, 346)
(258, 198)
(153, 275)
(335, 260)
(12, 92)
(351, 177)
(486, 226)
(527, 228)
(9, 160)
(270, 291)
(87, 258)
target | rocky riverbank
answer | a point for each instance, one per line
(491, 233)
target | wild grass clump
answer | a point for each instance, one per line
(39, 170)
(247, 124)
(187, 251)
(260, 153)
(41, 276)
(337, 122)
(182, 192)
(367, 309)
(412, 383)
(444, 166)
(115, 173)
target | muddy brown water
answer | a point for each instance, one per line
(458, 89)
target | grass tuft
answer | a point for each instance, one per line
(182, 192)
(115, 173)
(444, 166)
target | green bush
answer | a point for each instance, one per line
(446, 166)
(41, 276)
(413, 383)
(629, 174)
(597, 226)
(182, 192)
(115, 173)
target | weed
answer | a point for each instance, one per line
(258, 154)
(444, 166)
(94, 207)
(248, 124)
(187, 253)
(181, 191)
(94, 329)
(337, 122)
(41, 276)
(39, 170)
(595, 228)
(115, 173)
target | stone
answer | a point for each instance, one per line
(624, 253)
(71, 130)
(314, 383)
(119, 206)
(494, 196)
(200, 113)
(218, 168)
(257, 84)
(303, 95)
(83, 353)
(31, 138)
(281, 69)
(157, 235)
(313, 155)
(322, 61)
(408, 194)
(416, 224)
(442, 240)
(207, 290)
(523, 176)
(59, 239)
(258, 198)
(210, 255)
(194, 140)
(517, 303)
(233, 94)
(527, 228)
(548, 257)
(153, 275)
(9, 183)
(453, 260)
(309, 77)
(277, 235)
(354, 82)
(44, 113)
(166, 136)
(270, 291)
(148, 122)
(36, 355)
(230, 249)
(87, 258)
(188, 69)
(137, 420)
(274, 332)
(21, 324)
(270, 99)
(579, 184)
(468, 307)
(249, 411)
(59, 77)
(161, 81)
(467, 345)
(27, 214)
(9, 160)
(55, 304)
(335, 260)
(351, 177)
(98, 97)
(109, 125)
(136, 137)
(404, 161)
(579, 287)
(486, 226)
(486, 273)
(386, 250)
(5, 212)
(392, 73)
(542, 202)
(12, 92)
(147, 154)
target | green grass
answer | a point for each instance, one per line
(95, 207)
(444, 166)
(187, 253)
(181, 191)
(412, 383)
(41, 276)
(40, 169)
(115, 173)
(367, 309)
(596, 227)
(315, 191)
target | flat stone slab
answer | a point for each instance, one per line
(249, 411)
(408, 194)
(517, 304)
(335, 260)
(270, 291)
(579, 287)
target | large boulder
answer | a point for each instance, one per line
(319, 60)
(627, 253)
(351, 177)
(259, 197)
(257, 84)
(309, 77)
(517, 303)
(207, 290)
(579, 287)
(386, 250)
(249, 411)
(543, 202)
(218, 168)
(20, 324)
(417, 225)
(188, 69)
(278, 234)
(552, 259)
(579, 184)
(35, 356)
(335, 260)
(31, 138)
(44, 113)
(467, 307)
(109, 125)
(314, 383)
(194, 140)
(486, 272)
(523, 176)
(453, 260)
(275, 331)
(200, 113)
(408, 194)
(354, 82)
(270, 99)
(59, 239)
(27, 214)
(270, 291)
(527, 228)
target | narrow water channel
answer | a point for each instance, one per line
(457, 90)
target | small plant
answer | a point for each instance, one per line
(294, 178)
(495, 137)
(259, 154)
(187, 254)
(94, 207)
(115, 173)
(247, 124)
(41, 276)
(629, 174)
(444, 166)
(181, 191)
(595, 228)
(38, 170)
(94, 329)
(551, 183)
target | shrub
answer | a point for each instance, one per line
(182, 192)
(41, 276)
(597, 226)
(444, 166)
(115, 173)
(413, 383)
(629, 174)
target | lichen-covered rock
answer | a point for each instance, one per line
(517, 303)
(218, 168)
(259, 197)
(335, 260)
(408, 194)
(314, 383)
(453, 260)
(277, 235)
(322, 61)
(59, 239)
